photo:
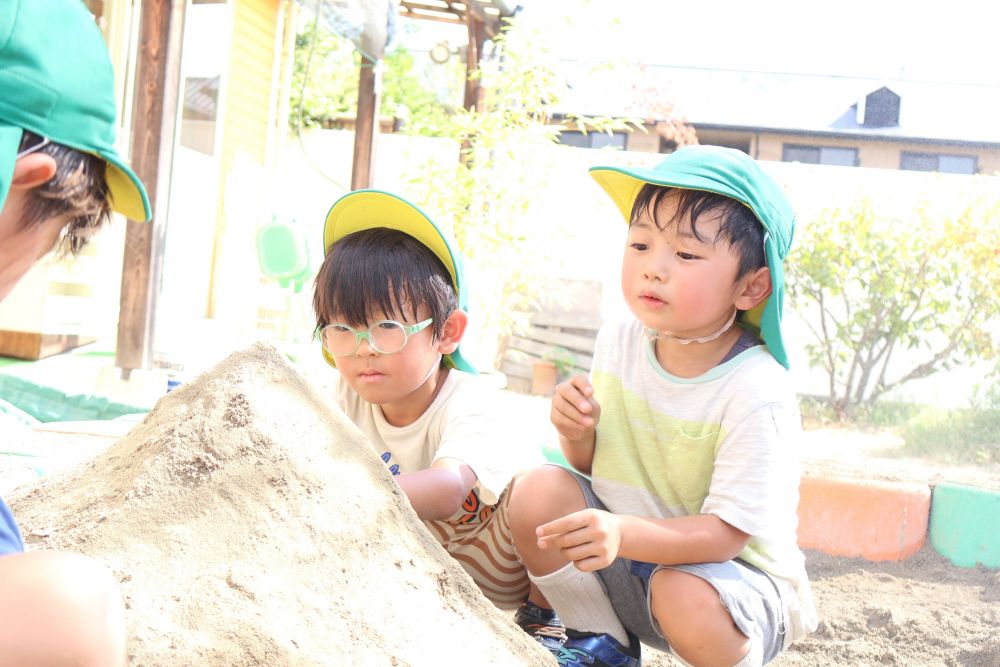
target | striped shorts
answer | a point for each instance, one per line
(485, 549)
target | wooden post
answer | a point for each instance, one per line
(477, 37)
(154, 119)
(366, 122)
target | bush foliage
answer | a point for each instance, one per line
(892, 300)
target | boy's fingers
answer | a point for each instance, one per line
(566, 415)
(562, 525)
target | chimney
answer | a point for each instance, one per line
(879, 108)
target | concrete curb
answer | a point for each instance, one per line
(871, 519)
(965, 524)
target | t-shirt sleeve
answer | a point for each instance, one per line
(755, 480)
(471, 432)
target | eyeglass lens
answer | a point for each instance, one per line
(385, 337)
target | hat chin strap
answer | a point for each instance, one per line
(653, 334)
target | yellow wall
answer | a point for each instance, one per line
(248, 114)
(248, 91)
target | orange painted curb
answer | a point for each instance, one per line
(870, 519)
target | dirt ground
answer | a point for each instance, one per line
(204, 509)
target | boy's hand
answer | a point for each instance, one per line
(575, 412)
(589, 539)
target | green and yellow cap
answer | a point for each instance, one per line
(730, 173)
(371, 209)
(56, 80)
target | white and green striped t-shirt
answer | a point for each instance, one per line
(724, 443)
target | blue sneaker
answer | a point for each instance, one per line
(584, 649)
(542, 624)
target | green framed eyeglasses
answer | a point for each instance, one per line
(385, 336)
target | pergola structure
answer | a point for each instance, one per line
(483, 19)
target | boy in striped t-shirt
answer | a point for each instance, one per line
(684, 535)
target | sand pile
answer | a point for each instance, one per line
(250, 524)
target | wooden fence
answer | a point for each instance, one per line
(563, 333)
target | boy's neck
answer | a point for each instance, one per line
(695, 359)
(410, 408)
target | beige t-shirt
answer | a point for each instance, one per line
(461, 423)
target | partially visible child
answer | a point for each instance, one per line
(390, 303)
(60, 177)
(684, 537)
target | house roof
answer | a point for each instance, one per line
(814, 104)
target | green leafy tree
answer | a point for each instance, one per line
(870, 287)
(325, 84)
(324, 77)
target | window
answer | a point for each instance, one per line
(201, 100)
(593, 139)
(948, 164)
(844, 157)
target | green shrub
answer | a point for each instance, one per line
(871, 287)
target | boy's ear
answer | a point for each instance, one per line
(454, 329)
(33, 170)
(753, 288)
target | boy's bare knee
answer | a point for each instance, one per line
(693, 619)
(541, 495)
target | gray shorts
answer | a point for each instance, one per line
(749, 595)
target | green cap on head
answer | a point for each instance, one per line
(372, 209)
(56, 80)
(733, 174)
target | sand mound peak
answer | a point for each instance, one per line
(250, 524)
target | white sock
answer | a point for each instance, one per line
(579, 599)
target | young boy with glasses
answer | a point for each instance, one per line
(390, 303)
(60, 176)
(684, 535)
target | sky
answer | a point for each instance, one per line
(952, 41)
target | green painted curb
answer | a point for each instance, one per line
(965, 524)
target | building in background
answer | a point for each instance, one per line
(812, 119)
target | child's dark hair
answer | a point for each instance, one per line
(77, 189)
(739, 226)
(374, 272)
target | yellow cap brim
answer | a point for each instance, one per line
(373, 209)
(128, 196)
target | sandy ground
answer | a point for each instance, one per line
(918, 612)
(251, 525)
(263, 569)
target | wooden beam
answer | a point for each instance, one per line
(37, 345)
(473, 87)
(154, 118)
(449, 18)
(442, 8)
(369, 89)
(490, 23)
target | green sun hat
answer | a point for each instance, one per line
(56, 80)
(372, 209)
(733, 174)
